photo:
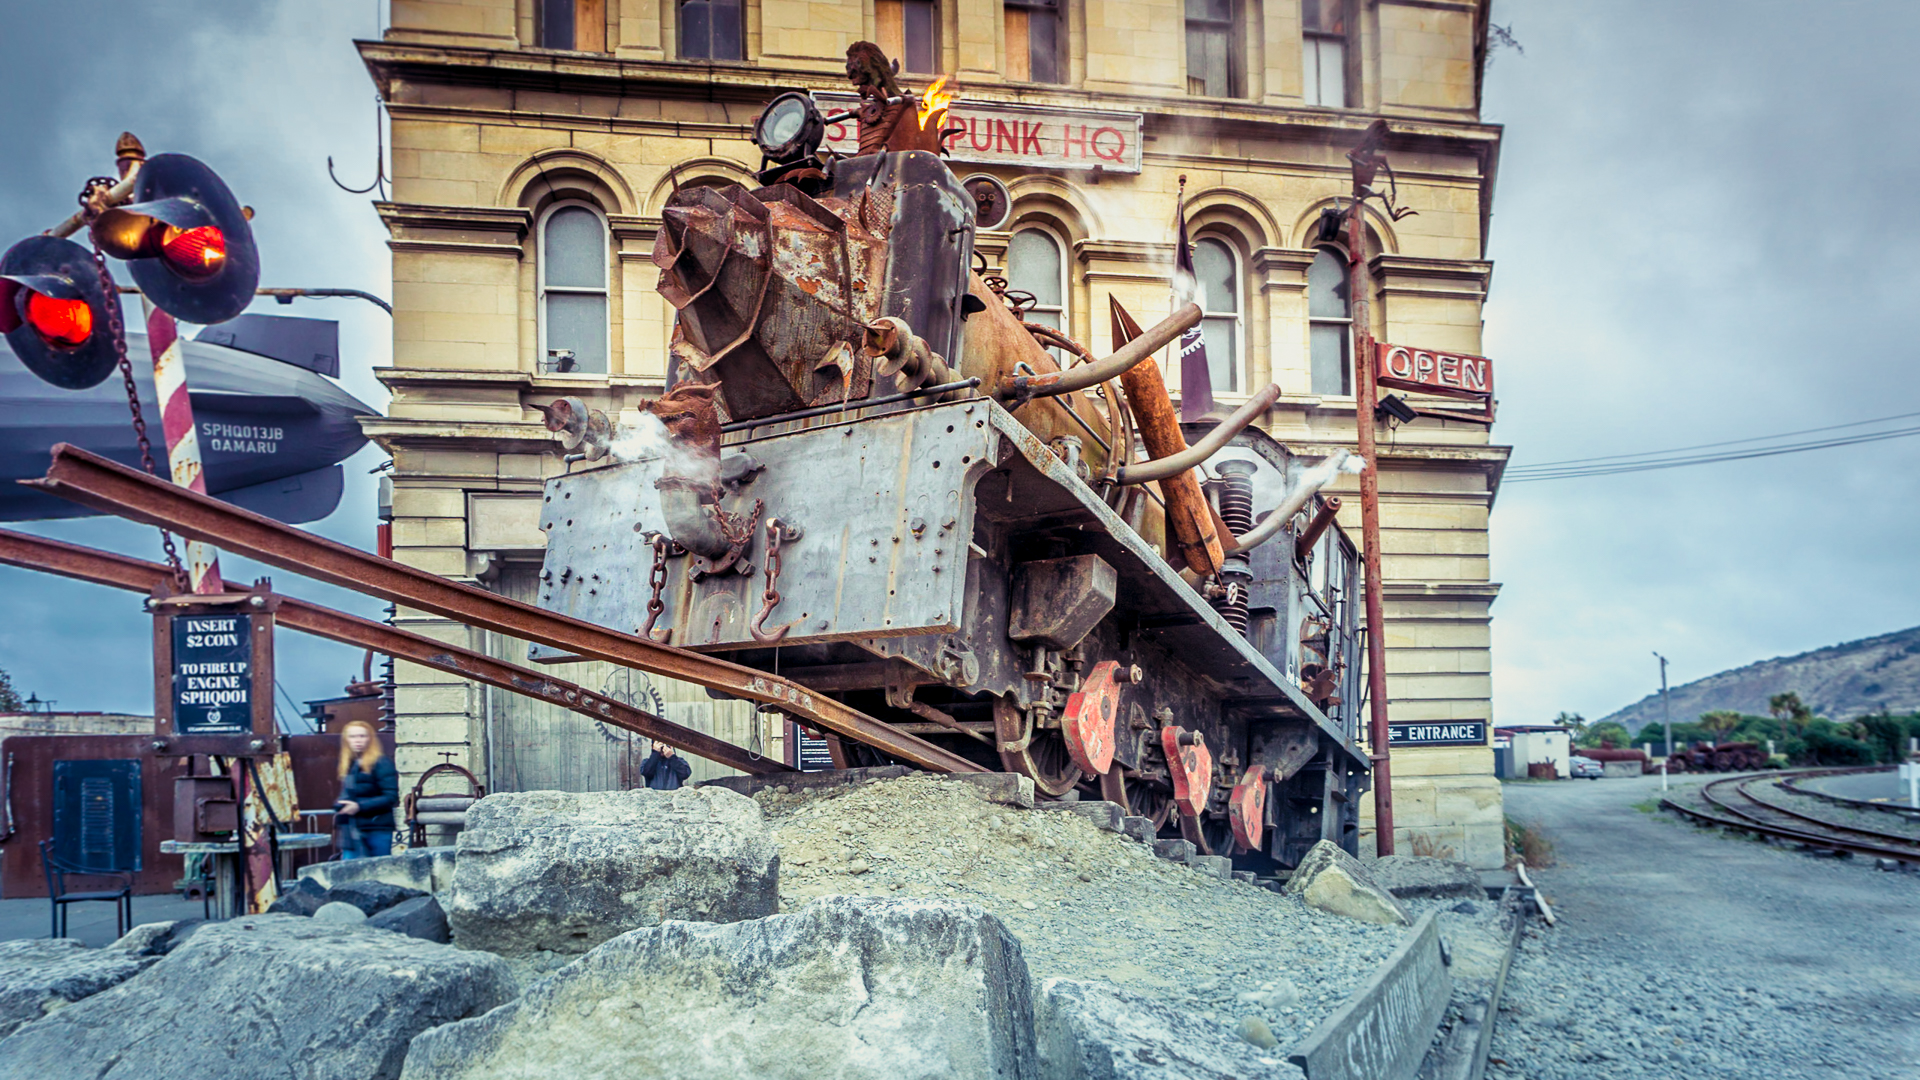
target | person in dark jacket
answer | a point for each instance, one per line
(665, 770)
(369, 790)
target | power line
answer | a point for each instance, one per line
(1711, 445)
(1706, 459)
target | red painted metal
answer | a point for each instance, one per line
(1191, 765)
(1430, 371)
(1247, 808)
(1087, 722)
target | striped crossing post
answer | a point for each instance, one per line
(183, 443)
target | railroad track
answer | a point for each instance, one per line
(1898, 809)
(1748, 812)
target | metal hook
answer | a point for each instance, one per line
(380, 177)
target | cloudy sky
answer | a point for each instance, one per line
(1704, 230)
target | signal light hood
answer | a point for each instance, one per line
(42, 278)
(196, 276)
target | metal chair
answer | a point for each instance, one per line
(58, 870)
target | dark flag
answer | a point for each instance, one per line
(1196, 379)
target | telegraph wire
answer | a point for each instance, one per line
(1548, 465)
(1546, 473)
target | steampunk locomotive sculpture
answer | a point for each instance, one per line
(871, 476)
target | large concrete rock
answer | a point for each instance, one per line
(1092, 1031)
(420, 917)
(371, 897)
(850, 988)
(1417, 876)
(566, 871)
(41, 975)
(428, 869)
(303, 897)
(260, 996)
(1334, 881)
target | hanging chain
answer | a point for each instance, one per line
(658, 581)
(91, 209)
(776, 532)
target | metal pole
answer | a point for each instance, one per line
(1666, 713)
(1364, 401)
(183, 442)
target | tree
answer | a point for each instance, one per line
(1788, 709)
(1575, 724)
(9, 697)
(1720, 722)
(1607, 733)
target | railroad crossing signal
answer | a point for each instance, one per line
(53, 310)
(186, 241)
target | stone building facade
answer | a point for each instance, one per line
(534, 142)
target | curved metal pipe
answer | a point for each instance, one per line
(1209, 444)
(1025, 388)
(689, 520)
(1292, 503)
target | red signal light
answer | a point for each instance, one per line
(194, 253)
(65, 324)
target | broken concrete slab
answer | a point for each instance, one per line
(1104, 815)
(807, 781)
(421, 917)
(1177, 850)
(1333, 881)
(1010, 789)
(1093, 1031)
(266, 995)
(848, 987)
(39, 976)
(1417, 876)
(303, 897)
(1138, 828)
(426, 869)
(565, 871)
(1219, 866)
(371, 896)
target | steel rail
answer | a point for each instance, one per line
(1898, 809)
(1740, 786)
(1748, 823)
(94, 481)
(137, 575)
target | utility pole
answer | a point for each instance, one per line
(1666, 713)
(1366, 162)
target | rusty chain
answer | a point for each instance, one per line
(657, 580)
(771, 597)
(91, 209)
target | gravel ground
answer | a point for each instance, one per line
(1086, 904)
(1685, 952)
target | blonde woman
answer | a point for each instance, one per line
(369, 790)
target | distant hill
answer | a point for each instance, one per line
(1839, 682)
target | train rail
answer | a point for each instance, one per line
(1898, 809)
(1744, 810)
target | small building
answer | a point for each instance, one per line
(1534, 744)
(73, 723)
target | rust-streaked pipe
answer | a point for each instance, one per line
(129, 155)
(1311, 535)
(1161, 468)
(1027, 387)
(1292, 504)
(1190, 517)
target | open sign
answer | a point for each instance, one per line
(1431, 372)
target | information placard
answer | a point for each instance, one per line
(1438, 733)
(212, 674)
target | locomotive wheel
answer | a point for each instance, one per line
(1044, 758)
(1151, 801)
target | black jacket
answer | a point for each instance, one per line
(665, 773)
(377, 793)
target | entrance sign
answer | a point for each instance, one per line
(212, 674)
(1028, 136)
(1449, 733)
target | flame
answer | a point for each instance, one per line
(934, 101)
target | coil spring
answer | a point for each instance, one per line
(1235, 493)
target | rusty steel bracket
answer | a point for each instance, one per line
(119, 571)
(91, 480)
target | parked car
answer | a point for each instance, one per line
(1589, 768)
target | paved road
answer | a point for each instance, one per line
(91, 923)
(1684, 952)
(1884, 786)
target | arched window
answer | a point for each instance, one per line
(1217, 270)
(573, 289)
(1036, 263)
(1330, 325)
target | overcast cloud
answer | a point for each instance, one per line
(1704, 229)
